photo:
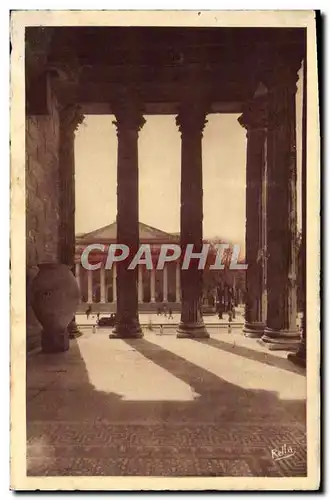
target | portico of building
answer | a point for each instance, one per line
(251, 72)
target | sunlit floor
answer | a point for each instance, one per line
(165, 406)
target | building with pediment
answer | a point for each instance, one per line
(156, 288)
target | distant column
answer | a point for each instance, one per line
(90, 286)
(177, 282)
(77, 274)
(153, 285)
(165, 284)
(114, 283)
(102, 284)
(140, 285)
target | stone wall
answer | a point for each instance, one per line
(42, 200)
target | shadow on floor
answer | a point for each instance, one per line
(263, 357)
(73, 429)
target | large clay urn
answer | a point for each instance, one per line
(54, 298)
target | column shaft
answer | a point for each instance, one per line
(165, 283)
(102, 285)
(299, 357)
(114, 283)
(70, 117)
(153, 285)
(191, 121)
(140, 284)
(281, 331)
(129, 120)
(90, 286)
(177, 282)
(254, 119)
(77, 274)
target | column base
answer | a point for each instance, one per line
(254, 330)
(54, 341)
(192, 331)
(126, 330)
(281, 340)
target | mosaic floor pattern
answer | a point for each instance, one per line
(161, 406)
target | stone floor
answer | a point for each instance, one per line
(161, 406)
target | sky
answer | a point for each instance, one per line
(224, 169)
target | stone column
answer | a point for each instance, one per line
(114, 283)
(89, 286)
(77, 274)
(102, 285)
(281, 330)
(177, 282)
(153, 285)
(129, 121)
(191, 121)
(70, 118)
(140, 285)
(165, 283)
(254, 119)
(299, 357)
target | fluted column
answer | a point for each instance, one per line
(254, 119)
(281, 330)
(153, 285)
(89, 286)
(299, 357)
(177, 282)
(77, 274)
(102, 285)
(114, 283)
(191, 121)
(140, 284)
(129, 121)
(70, 118)
(165, 283)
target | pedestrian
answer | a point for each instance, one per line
(94, 329)
(170, 315)
(165, 311)
(98, 317)
(161, 330)
(88, 311)
(230, 318)
(220, 310)
(159, 312)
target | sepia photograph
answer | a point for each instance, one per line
(165, 250)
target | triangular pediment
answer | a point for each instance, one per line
(146, 233)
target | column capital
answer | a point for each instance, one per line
(282, 71)
(128, 111)
(255, 114)
(192, 116)
(70, 118)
